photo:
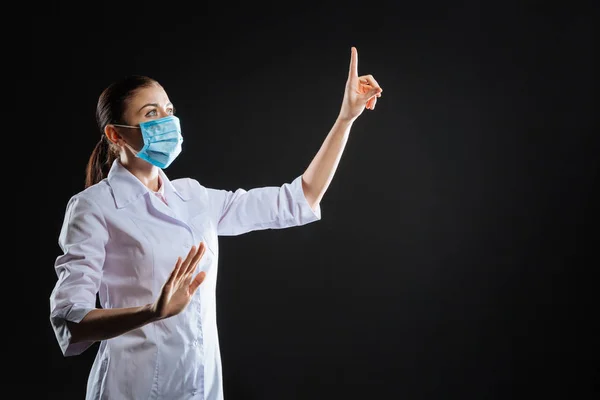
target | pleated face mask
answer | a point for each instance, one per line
(162, 140)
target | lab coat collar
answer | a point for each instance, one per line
(126, 187)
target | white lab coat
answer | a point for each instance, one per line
(120, 241)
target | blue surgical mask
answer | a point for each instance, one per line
(162, 140)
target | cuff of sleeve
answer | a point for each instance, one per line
(62, 332)
(307, 214)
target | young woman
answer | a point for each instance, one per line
(148, 246)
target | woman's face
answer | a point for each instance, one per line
(146, 104)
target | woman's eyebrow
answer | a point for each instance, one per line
(153, 105)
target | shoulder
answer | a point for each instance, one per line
(190, 188)
(93, 197)
(186, 185)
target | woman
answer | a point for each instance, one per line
(148, 246)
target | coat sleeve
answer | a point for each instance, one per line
(79, 270)
(271, 207)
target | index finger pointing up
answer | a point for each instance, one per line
(353, 73)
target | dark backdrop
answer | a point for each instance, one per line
(454, 256)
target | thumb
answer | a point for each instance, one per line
(197, 281)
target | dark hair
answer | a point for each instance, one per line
(109, 110)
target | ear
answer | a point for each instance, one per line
(111, 134)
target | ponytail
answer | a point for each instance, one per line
(99, 163)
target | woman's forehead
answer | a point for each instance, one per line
(150, 94)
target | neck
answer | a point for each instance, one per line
(144, 171)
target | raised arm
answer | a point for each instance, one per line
(361, 92)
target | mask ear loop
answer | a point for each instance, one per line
(135, 152)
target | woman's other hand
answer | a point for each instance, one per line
(361, 91)
(181, 285)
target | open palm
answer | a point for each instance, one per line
(181, 285)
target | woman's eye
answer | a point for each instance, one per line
(151, 113)
(171, 111)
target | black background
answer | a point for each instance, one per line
(455, 254)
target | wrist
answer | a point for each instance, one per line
(150, 313)
(344, 123)
(344, 119)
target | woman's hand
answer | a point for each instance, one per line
(361, 91)
(181, 285)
